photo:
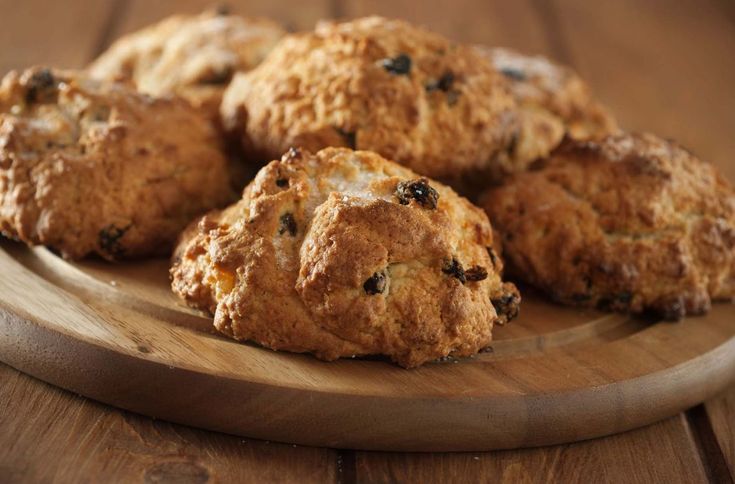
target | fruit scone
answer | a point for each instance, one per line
(435, 106)
(344, 253)
(628, 223)
(553, 102)
(93, 167)
(193, 56)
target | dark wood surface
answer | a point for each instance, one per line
(556, 375)
(662, 66)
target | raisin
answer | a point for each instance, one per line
(587, 281)
(282, 182)
(506, 306)
(41, 85)
(515, 74)
(604, 304)
(375, 284)
(454, 269)
(625, 297)
(350, 137)
(399, 65)
(218, 77)
(444, 83)
(419, 190)
(476, 273)
(223, 9)
(288, 224)
(615, 302)
(109, 239)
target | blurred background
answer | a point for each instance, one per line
(662, 66)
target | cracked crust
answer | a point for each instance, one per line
(193, 56)
(326, 254)
(630, 223)
(553, 101)
(91, 167)
(376, 84)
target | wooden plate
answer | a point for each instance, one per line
(116, 333)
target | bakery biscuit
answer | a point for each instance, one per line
(629, 223)
(343, 253)
(92, 167)
(553, 102)
(193, 56)
(436, 107)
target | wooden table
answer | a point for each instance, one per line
(667, 67)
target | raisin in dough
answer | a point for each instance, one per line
(92, 167)
(375, 84)
(343, 253)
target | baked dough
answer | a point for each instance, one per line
(553, 103)
(376, 84)
(93, 167)
(343, 253)
(629, 223)
(193, 56)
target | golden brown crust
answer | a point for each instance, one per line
(344, 253)
(90, 167)
(553, 101)
(193, 56)
(436, 107)
(631, 223)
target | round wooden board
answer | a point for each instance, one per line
(117, 334)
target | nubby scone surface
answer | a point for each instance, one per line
(88, 167)
(553, 103)
(193, 56)
(630, 223)
(376, 84)
(344, 253)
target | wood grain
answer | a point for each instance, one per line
(561, 375)
(662, 66)
(665, 67)
(660, 453)
(294, 15)
(721, 413)
(52, 435)
(49, 434)
(60, 34)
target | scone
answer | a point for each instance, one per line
(630, 223)
(194, 56)
(343, 253)
(90, 167)
(376, 84)
(553, 102)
